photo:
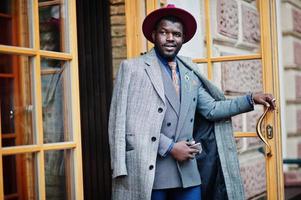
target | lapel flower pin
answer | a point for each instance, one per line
(186, 77)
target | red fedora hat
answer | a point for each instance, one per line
(187, 19)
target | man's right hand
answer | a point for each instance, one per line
(181, 151)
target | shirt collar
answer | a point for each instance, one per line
(163, 60)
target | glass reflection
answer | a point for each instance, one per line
(58, 175)
(20, 181)
(15, 23)
(52, 20)
(54, 109)
(15, 101)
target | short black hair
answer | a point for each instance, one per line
(171, 18)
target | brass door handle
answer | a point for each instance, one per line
(260, 135)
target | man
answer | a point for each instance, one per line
(157, 100)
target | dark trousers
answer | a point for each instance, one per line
(191, 193)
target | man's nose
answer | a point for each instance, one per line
(170, 36)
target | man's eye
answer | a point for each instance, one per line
(177, 34)
(163, 32)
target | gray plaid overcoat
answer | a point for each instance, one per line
(136, 115)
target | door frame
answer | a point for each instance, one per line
(39, 148)
(269, 50)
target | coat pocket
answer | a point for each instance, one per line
(129, 138)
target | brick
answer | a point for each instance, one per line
(297, 53)
(119, 52)
(237, 123)
(289, 56)
(252, 118)
(253, 175)
(242, 76)
(117, 10)
(292, 178)
(118, 42)
(118, 31)
(250, 24)
(291, 121)
(254, 142)
(290, 84)
(299, 150)
(298, 118)
(298, 86)
(239, 144)
(296, 20)
(116, 1)
(118, 20)
(227, 18)
(293, 2)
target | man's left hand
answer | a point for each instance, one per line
(267, 100)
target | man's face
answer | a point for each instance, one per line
(168, 38)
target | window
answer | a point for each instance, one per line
(40, 151)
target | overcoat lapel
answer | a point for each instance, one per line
(154, 73)
(186, 96)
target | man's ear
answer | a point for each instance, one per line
(153, 35)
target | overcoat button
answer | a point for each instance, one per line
(194, 99)
(154, 139)
(191, 120)
(168, 124)
(151, 167)
(160, 110)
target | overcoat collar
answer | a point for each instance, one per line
(154, 72)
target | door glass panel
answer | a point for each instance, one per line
(196, 47)
(55, 104)
(252, 167)
(237, 78)
(6, 63)
(53, 25)
(58, 175)
(7, 105)
(15, 99)
(235, 27)
(20, 180)
(14, 23)
(246, 122)
(203, 69)
(5, 7)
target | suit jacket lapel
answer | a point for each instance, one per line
(186, 97)
(153, 70)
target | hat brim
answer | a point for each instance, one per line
(186, 18)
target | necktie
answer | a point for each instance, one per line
(174, 76)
